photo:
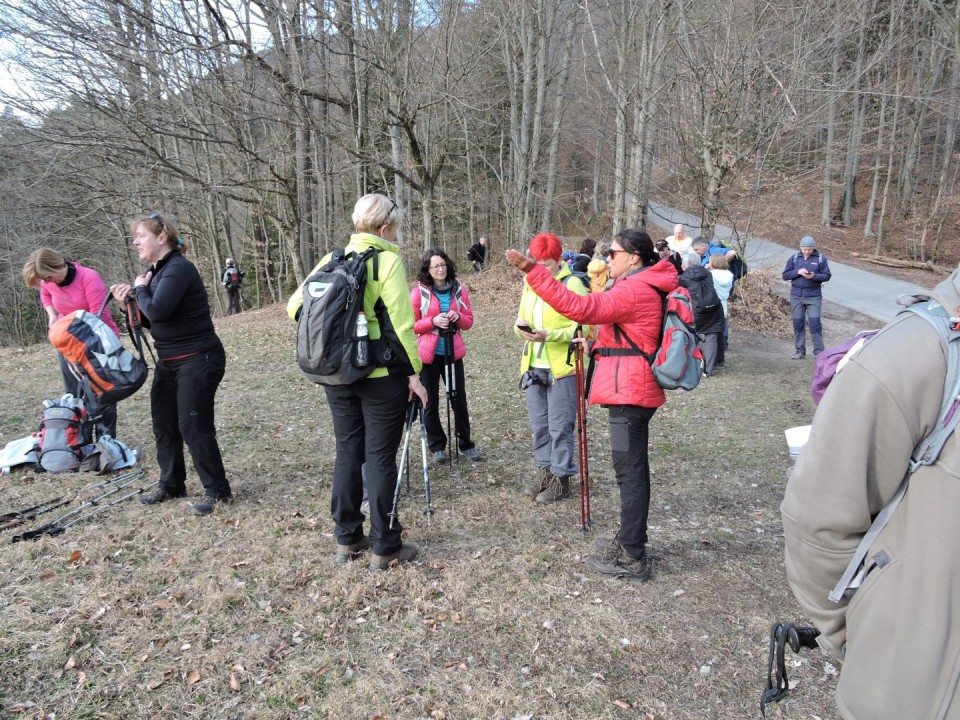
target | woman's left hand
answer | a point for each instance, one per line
(523, 263)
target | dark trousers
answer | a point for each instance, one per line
(806, 309)
(182, 404)
(430, 377)
(368, 421)
(105, 416)
(629, 436)
(233, 301)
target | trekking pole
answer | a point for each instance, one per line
(426, 472)
(60, 529)
(403, 463)
(17, 517)
(576, 349)
(51, 526)
(450, 381)
(782, 634)
(115, 479)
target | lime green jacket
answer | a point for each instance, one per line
(391, 286)
(559, 329)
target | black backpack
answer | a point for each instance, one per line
(326, 328)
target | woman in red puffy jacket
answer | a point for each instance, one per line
(622, 379)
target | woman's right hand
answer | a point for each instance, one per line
(441, 321)
(523, 263)
(120, 292)
(417, 388)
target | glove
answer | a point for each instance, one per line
(523, 263)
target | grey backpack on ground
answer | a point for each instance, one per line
(65, 432)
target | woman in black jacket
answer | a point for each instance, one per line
(190, 365)
(707, 309)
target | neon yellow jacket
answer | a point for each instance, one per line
(391, 286)
(559, 329)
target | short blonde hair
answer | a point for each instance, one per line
(43, 262)
(719, 261)
(373, 211)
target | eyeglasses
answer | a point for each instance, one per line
(441, 266)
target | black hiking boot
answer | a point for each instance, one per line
(205, 506)
(346, 553)
(161, 495)
(622, 566)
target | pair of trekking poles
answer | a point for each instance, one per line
(82, 512)
(413, 412)
(583, 459)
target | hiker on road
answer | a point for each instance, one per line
(623, 381)
(64, 288)
(548, 376)
(232, 278)
(679, 242)
(369, 415)
(899, 635)
(190, 363)
(807, 270)
(441, 312)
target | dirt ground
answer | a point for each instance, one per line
(150, 612)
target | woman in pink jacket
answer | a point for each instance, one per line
(629, 315)
(65, 287)
(441, 310)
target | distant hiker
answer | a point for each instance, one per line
(807, 270)
(623, 381)
(369, 415)
(191, 361)
(65, 287)
(441, 312)
(679, 242)
(899, 635)
(664, 251)
(547, 376)
(723, 281)
(707, 308)
(232, 277)
(477, 254)
(583, 258)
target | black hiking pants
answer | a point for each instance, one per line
(182, 405)
(629, 440)
(430, 376)
(368, 423)
(233, 301)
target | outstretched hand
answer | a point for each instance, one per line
(523, 263)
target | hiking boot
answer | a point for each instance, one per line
(440, 456)
(798, 355)
(539, 482)
(405, 554)
(161, 495)
(473, 454)
(205, 506)
(558, 489)
(610, 549)
(622, 566)
(345, 553)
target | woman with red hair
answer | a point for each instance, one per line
(547, 377)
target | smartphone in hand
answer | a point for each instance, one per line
(523, 326)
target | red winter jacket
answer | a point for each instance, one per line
(428, 336)
(634, 304)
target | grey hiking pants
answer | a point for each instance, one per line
(553, 414)
(806, 308)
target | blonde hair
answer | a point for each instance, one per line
(719, 262)
(43, 262)
(373, 211)
(159, 224)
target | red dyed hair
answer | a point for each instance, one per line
(545, 246)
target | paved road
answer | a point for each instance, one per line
(849, 287)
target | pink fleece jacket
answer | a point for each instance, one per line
(85, 292)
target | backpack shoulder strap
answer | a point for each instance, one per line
(424, 300)
(927, 450)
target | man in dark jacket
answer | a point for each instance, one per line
(232, 277)
(477, 254)
(707, 308)
(807, 271)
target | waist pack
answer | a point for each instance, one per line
(65, 430)
(678, 361)
(107, 373)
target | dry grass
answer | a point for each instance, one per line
(153, 613)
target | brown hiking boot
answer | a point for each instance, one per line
(345, 553)
(405, 554)
(558, 489)
(610, 549)
(622, 566)
(539, 482)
